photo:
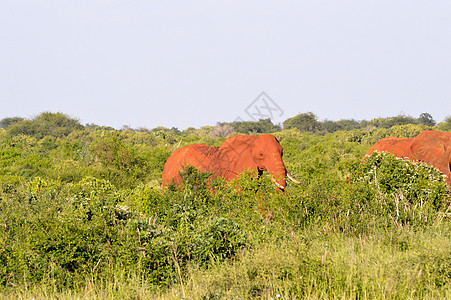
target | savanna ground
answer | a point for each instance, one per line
(83, 216)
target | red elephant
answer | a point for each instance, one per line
(235, 155)
(430, 147)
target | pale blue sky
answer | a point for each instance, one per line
(196, 63)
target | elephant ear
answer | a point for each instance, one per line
(432, 151)
(234, 157)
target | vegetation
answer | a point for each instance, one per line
(82, 215)
(251, 127)
(307, 122)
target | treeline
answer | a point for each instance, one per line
(309, 123)
(59, 124)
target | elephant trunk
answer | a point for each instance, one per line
(279, 176)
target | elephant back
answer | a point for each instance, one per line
(197, 155)
(399, 147)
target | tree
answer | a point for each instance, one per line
(222, 131)
(6, 122)
(426, 119)
(445, 125)
(306, 122)
(332, 126)
(46, 124)
(251, 127)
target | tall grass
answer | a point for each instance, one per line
(310, 265)
(398, 265)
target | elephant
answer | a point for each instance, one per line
(234, 156)
(430, 147)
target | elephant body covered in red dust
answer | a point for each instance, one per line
(235, 155)
(430, 147)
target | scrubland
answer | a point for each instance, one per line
(83, 216)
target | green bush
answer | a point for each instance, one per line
(218, 240)
(408, 192)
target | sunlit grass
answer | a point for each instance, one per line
(394, 265)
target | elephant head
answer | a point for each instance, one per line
(259, 153)
(235, 155)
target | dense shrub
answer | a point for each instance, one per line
(409, 192)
